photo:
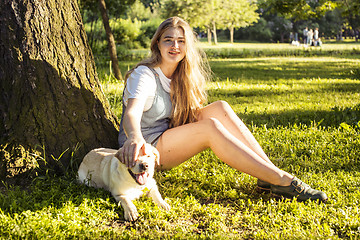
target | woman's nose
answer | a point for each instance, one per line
(175, 44)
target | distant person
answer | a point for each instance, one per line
(294, 39)
(310, 36)
(165, 104)
(305, 35)
(319, 42)
(291, 37)
(316, 37)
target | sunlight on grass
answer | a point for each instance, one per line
(113, 90)
(302, 95)
(280, 46)
(289, 68)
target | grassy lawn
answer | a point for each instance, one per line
(304, 111)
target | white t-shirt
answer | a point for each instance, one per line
(316, 34)
(141, 85)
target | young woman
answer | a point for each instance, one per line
(164, 101)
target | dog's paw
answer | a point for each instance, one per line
(165, 206)
(131, 215)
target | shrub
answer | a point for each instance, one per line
(126, 32)
(260, 31)
(148, 29)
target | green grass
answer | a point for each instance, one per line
(278, 90)
(304, 111)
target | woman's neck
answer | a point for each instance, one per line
(168, 71)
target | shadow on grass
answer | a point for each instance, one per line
(331, 118)
(48, 191)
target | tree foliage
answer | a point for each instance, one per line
(238, 14)
(114, 7)
(350, 10)
(195, 12)
(307, 9)
(213, 14)
(299, 9)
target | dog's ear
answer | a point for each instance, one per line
(119, 153)
(157, 156)
(143, 150)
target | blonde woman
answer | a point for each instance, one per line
(164, 105)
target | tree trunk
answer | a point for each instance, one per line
(209, 35)
(231, 29)
(214, 32)
(50, 93)
(282, 37)
(111, 41)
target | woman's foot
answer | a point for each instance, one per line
(298, 189)
(263, 187)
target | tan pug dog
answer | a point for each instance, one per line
(101, 168)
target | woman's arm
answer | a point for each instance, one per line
(135, 142)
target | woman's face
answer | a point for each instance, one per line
(172, 46)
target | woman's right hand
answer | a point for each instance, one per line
(130, 151)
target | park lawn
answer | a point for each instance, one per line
(304, 111)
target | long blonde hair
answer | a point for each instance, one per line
(188, 81)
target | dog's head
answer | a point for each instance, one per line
(145, 165)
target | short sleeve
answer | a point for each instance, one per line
(141, 85)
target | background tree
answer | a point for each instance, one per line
(50, 93)
(350, 10)
(238, 14)
(260, 32)
(193, 11)
(115, 7)
(297, 10)
(110, 39)
(215, 18)
(198, 13)
(138, 11)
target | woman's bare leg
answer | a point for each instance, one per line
(222, 111)
(178, 144)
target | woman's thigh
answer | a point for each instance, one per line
(178, 144)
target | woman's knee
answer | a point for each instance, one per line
(223, 106)
(212, 125)
(216, 109)
(225, 111)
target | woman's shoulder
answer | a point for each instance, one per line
(143, 70)
(142, 77)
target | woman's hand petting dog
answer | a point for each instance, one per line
(130, 151)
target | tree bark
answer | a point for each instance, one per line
(231, 29)
(50, 93)
(209, 35)
(111, 41)
(214, 32)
